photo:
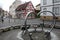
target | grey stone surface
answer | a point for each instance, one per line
(12, 35)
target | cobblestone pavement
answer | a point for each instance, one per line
(12, 35)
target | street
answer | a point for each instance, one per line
(12, 35)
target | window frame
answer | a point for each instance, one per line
(44, 2)
(56, 10)
(55, 1)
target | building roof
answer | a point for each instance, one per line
(38, 5)
(22, 6)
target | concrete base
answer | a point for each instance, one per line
(37, 35)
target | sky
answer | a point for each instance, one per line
(6, 3)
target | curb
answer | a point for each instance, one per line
(5, 29)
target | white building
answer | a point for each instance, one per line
(50, 5)
(12, 8)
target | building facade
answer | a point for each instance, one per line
(1, 13)
(38, 7)
(6, 14)
(23, 9)
(50, 5)
(12, 8)
(37, 10)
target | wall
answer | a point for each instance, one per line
(38, 7)
(49, 7)
(12, 8)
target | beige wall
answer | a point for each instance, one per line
(49, 18)
(46, 17)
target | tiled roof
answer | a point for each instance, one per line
(22, 6)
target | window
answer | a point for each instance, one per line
(56, 0)
(56, 10)
(44, 2)
(28, 10)
(29, 15)
(44, 10)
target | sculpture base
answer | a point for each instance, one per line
(37, 35)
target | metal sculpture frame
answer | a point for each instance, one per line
(25, 23)
(54, 18)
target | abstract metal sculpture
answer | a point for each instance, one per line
(30, 34)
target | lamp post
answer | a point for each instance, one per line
(53, 6)
(54, 13)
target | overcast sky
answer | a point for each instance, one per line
(6, 3)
